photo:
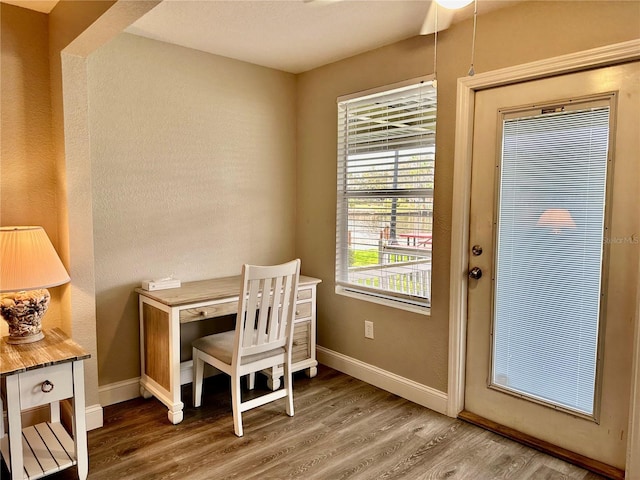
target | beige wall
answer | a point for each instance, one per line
(411, 345)
(33, 173)
(193, 174)
(28, 182)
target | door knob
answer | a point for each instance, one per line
(475, 273)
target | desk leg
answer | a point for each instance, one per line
(16, 463)
(79, 421)
(144, 393)
(175, 414)
(160, 354)
(273, 380)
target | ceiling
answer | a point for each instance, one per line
(43, 6)
(288, 35)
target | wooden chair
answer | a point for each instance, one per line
(262, 337)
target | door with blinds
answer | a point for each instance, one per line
(553, 264)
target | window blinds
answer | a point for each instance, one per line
(386, 160)
(550, 239)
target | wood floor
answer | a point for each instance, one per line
(342, 429)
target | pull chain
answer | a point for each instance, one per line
(472, 72)
(435, 51)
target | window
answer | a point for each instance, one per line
(386, 160)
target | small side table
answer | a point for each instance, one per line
(35, 374)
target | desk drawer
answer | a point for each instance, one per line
(58, 379)
(305, 294)
(208, 311)
(301, 349)
(303, 310)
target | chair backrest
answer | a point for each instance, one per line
(266, 307)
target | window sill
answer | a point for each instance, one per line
(388, 302)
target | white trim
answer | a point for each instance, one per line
(94, 415)
(119, 391)
(387, 302)
(35, 415)
(403, 387)
(129, 389)
(384, 88)
(597, 57)
(186, 372)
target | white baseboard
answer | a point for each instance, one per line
(35, 415)
(92, 413)
(403, 387)
(186, 372)
(129, 389)
(119, 391)
(94, 416)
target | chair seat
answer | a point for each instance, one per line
(220, 346)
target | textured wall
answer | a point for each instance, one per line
(412, 345)
(27, 168)
(193, 174)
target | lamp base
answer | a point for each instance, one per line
(23, 311)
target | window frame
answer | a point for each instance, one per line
(344, 287)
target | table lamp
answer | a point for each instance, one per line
(28, 266)
(557, 219)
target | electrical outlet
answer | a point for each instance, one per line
(368, 329)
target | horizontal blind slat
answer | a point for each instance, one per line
(386, 159)
(549, 256)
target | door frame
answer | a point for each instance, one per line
(467, 88)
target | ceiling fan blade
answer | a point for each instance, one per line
(445, 18)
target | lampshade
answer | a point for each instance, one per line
(28, 266)
(556, 219)
(28, 260)
(453, 4)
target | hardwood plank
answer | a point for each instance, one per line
(543, 446)
(342, 429)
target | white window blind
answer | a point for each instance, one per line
(551, 220)
(386, 155)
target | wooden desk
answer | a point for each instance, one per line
(34, 374)
(163, 311)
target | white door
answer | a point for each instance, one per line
(550, 320)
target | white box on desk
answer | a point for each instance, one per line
(152, 285)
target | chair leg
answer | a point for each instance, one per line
(288, 385)
(251, 381)
(236, 399)
(198, 374)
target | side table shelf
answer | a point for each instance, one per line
(46, 448)
(38, 374)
